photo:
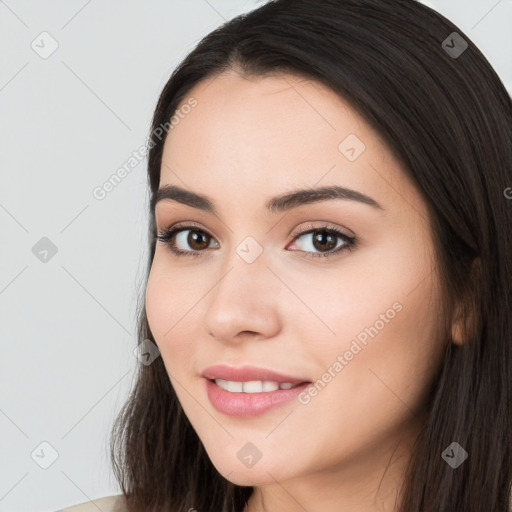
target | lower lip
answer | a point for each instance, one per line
(249, 404)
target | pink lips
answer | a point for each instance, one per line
(248, 404)
(247, 373)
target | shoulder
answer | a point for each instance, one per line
(115, 503)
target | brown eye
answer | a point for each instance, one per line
(198, 240)
(323, 241)
(186, 240)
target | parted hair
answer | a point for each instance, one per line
(445, 113)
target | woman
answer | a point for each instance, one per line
(329, 284)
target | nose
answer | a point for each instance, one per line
(245, 303)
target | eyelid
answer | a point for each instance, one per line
(324, 225)
(182, 225)
(297, 232)
(350, 242)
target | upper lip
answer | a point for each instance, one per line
(247, 373)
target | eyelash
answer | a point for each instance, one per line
(167, 237)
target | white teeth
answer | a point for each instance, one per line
(235, 387)
(268, 385)
(252, 386)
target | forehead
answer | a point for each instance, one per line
(254, 111)
(263, 134)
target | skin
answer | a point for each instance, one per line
(247, 140)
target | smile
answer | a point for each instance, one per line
(250, 398)
(253, 386)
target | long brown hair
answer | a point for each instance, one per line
(444, 111)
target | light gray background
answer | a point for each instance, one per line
(67, 123)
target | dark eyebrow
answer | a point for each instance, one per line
(277, 204)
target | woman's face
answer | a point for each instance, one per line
(360, 323)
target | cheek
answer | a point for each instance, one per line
(170, 307)
(380, 307)
(344, 300)
(387, 362)
(159, 303)
(390, 335)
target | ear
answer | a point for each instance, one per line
(464, 318)
(458, 330)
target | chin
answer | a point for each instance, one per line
(261, 473)
(249, 477)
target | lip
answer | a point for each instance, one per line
(246, 405)
(247, 373)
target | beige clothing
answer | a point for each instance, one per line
(107, 504)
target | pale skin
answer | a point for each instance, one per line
(246, 141)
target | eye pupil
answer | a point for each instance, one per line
(197, 240)
(325, 240)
